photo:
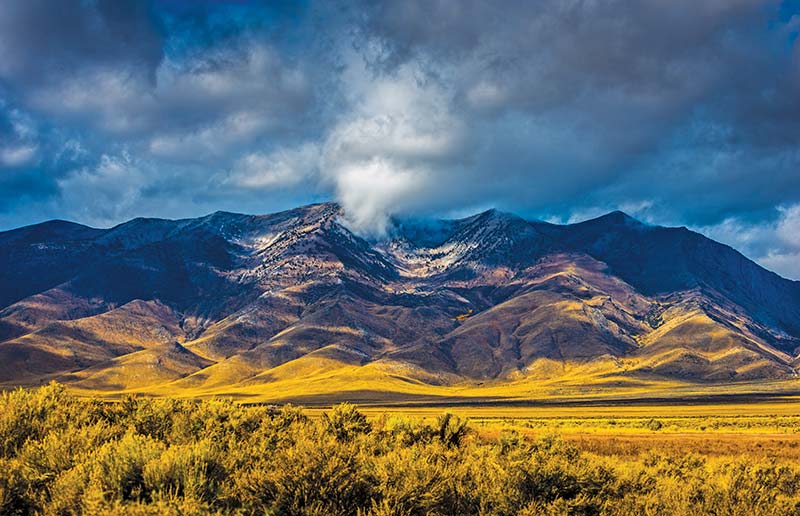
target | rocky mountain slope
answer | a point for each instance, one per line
(294, 302)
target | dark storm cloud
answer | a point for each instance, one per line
(683, 112)
(615, 81)
(158, 98)
(43, 39)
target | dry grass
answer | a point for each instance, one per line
(60, 454)
(319, 380)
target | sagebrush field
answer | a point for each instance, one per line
(60, 454)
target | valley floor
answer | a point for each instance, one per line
(763, 429)
(734, 420)
(376, 388)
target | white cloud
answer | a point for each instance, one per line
(105, 194)
(195, 109)
(371, 190)
(113, 100)
(787, 264)
(278, 169)
(788, 229)
(775, 244)
(383, 154)
(20, 146)
(16, 156)
(224, 100)
(211, 141)
(486, 95)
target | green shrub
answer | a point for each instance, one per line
(29, 414)
(654, 425)
(192, 471)
(315, 476)
(118, 466)
(344, 422)
(451, 429)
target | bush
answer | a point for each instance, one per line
(62, 455)
(118, 466)
(191, 471)
(451, 429)
(655, 425)
(314, 476)
(345, 422)
(29, 414)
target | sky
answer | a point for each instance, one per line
(680, 112)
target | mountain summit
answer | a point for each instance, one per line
(293, 305)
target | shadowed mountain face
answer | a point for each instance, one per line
(231, 301)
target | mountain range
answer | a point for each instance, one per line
(296, 306)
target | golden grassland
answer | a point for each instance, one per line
(318, 380)
(758, 429)
(65, 454)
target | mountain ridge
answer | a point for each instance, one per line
(436, 304)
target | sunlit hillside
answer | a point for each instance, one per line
(294, 306)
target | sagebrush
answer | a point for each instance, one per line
(63, 455)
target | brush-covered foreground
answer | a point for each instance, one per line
(60, 454)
